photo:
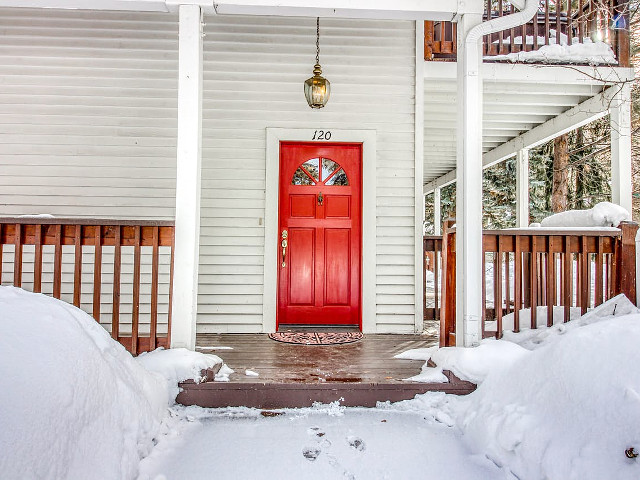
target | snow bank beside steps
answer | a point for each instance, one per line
(559, 403)
(74, 404)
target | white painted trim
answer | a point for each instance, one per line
(188, 171)
(620, 122)
(522, 188)
(418, 174)
(368, 140)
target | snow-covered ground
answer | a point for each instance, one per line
(557, 403)
(322, 443)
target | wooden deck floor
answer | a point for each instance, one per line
(360, 373)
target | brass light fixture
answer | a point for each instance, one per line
(317, 88)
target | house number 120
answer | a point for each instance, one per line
(321, 135)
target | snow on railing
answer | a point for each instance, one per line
(68, 258)
(564, 31)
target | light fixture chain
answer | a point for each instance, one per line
(317, 39)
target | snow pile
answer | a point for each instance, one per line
(592, 53)
(553, 403)
(508, 321)
(617, 306)
(604, 214)
(73, 401)
(472, 364)
(567, 410)
(176, 365)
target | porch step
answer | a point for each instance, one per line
(273, 395)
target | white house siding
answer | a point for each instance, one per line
(88, 128)
(254, 69)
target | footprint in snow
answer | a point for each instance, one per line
(311, 453)
(357, 443)
(315, 432)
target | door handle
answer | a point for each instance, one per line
(284, 244)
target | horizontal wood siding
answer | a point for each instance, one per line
(88, 109)
(254, 69)
(88, 113)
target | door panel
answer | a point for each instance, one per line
(303, 205)
(337, 251)
(337, 206)
(301, 246)
(320, 223)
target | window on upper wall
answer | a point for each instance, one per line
(320, 171)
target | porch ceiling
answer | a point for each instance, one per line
(517, 98)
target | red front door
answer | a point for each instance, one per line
(319, 237)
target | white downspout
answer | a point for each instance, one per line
(525, 13)
(469, 301)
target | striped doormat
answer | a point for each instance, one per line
(316, 338)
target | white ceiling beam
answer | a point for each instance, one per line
(383, 9)
(586, 112)
(521, 73)
(125, 5)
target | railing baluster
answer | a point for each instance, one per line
(599, 267)
(507, 285)
(135, 314)
(524, 37)
(534, 272)
(569, 23)
(586, 284)
(501, 33)
(558, 21)
(57, 262)
(117, 258)
(512, 33)
(517, 284)
(551, 279)
(497, 301)
(154, 290)
(437, 245)
(535, 31)
(97, 272)
(547, 31)
(17, 255)
(37, 262)
(567, 293)
(77, 272)
(171, 267)
(581, 21)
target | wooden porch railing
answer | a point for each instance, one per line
(532, 268)
(68, 258)
(557, 21)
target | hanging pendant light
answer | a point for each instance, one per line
(317, 88)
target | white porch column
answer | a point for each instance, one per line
(187, 236)
(620, 121)
(522, 188)
(437, 212)
(469, 187)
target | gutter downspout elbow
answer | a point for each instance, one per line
(499, 24)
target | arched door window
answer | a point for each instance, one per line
(320, 171)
